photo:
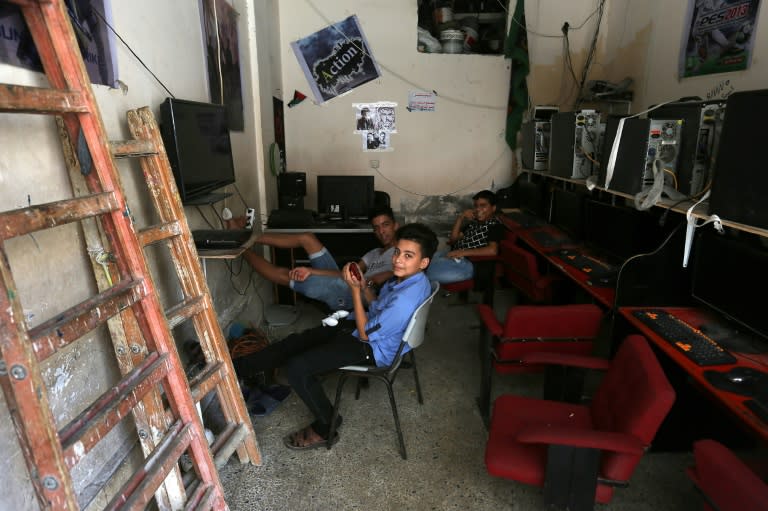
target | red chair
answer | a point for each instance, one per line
(529, 329)
(727, 483)
(579, 453)
(520, 269)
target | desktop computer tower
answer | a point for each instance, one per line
(574, 143)
(702, 123)
(534, 138)
(642, 141)
(740, 182)
(291, 189)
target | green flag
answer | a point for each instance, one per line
(516, 49)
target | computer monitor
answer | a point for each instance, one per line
(728, 273)
(345, 196)
(196, 138)
(531, 196)
(567, 212)
(621, 232)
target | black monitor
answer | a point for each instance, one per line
(567, 212)
(531, 196)
(621, 232)
(196, 138)
(345, 196)
(729, 272)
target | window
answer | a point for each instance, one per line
(462, 26)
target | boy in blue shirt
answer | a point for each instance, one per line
(367, 337)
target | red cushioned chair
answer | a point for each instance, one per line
(727, 482)
(579, 453)
(535, 328)
(520, 268)
(487, 272)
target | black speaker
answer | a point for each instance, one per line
(740, 183)
(292, 184)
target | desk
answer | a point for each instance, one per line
(602, 294)
(730, 401)
(345, 245)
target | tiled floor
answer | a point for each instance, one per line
(445, 438)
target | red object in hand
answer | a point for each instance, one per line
(354, 269)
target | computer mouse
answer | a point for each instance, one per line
(743, 375)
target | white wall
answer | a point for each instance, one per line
(459, 149)
(50, 267)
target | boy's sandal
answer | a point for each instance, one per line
(300, 440)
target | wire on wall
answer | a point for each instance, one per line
(101, 16)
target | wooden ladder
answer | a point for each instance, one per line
(154, 388)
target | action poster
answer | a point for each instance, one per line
(95, 39)
(718, 36)
(336, 59)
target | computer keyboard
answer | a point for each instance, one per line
(220, 238)
(549, 238)
(599, 272)
(524, 219)
(690, 341)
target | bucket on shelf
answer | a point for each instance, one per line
(452, 41)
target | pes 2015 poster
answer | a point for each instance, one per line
(718, 37)
(336, 59)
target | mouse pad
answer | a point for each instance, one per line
(755, 386)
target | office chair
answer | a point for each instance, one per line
(520, 268)
(412, 338)
(726, 482)
(580, 453)
(527, 329)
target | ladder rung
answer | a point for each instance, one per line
(22, 221)
(87, 429)
(57, 332)
(139, 489)
(227, 442)
(132, 148)
(205, 381)
(202, 499)
(182, 311)
(159, 232)
(38, 100)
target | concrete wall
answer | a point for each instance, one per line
(50, 267)
(438, 157)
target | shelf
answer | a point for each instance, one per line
(227, 253)
(682, 207)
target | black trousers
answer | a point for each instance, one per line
(306, 355)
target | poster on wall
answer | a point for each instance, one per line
(96, 41)
(375, 122)
(718, 36)
(421, 101)
(336, 59)
(223, 57)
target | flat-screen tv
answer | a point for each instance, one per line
(345, 197)
(728, 273)
(196, 138)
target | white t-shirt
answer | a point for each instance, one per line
(377, 261)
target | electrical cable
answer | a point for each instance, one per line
(100, 15)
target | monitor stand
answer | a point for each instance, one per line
(208, 198)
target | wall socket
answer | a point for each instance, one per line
(374, 164)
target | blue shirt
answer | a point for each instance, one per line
(389, 314)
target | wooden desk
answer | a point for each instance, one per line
(731, 401)
(345, 245)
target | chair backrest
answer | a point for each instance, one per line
(726, 481)
(414, 332)
(520, 268)
(633, 398)
(571, 321)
